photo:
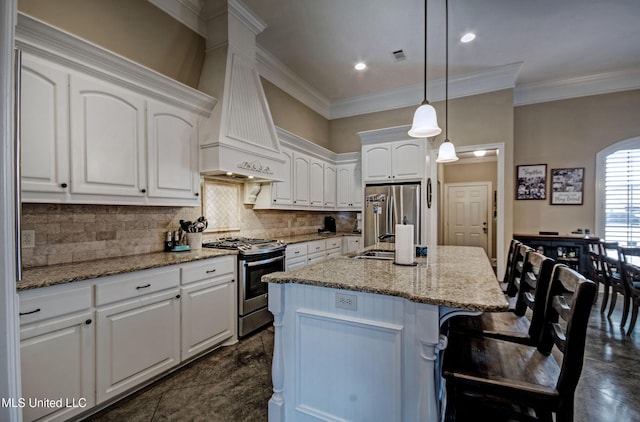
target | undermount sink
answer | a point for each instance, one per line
(376, 254)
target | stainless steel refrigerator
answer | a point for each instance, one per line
(388, 205)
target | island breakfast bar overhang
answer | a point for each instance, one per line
(359, 339)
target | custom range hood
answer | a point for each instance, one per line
(239, 138)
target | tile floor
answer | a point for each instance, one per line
(233, 383)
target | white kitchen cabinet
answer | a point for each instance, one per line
(394, 161)
(316, 183)
(330, 186)
(281, 192)
(316, 251)
(138, 329)
(172, 153)
(296, 256)
(107, 139)
(351, 244)
(44, 127)
(91, 139)
(300, 174)
(349, 186)
(333, 247)
(57, 351)
(209, 297)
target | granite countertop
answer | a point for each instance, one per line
(455, 276)
(33, 278)
(314, 236)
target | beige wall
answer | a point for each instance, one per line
(290, 114)
(564, 134)
(135, 29)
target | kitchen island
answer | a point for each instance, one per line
(359, 339)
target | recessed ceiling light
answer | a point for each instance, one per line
(468, 37)
(479, 153)
(360, 66)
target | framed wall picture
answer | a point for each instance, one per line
(567, 186)
(531, 182)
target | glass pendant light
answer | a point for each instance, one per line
(425, 121)
(447, 151)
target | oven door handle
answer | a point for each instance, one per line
(264, 261)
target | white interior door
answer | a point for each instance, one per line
(467, 215)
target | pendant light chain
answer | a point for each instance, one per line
(425, 121)
(447, 151)
(446, 70)
(425, 54)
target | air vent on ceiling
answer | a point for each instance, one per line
(399, 55)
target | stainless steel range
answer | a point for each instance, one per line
(256, 257)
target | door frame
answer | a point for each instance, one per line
(445, 210)
(10, 338)
(432, 213)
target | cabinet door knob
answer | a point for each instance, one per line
(233, 280)
(63, 185)
(88, 322)
(177, 296)
(196, 194)
(143, 190)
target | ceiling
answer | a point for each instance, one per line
(531, 44)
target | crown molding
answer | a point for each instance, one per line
(497, 78)
(38, 38)
(388, 134)
(187, 12)
(280, 75)
(561, 89)
(301, 144)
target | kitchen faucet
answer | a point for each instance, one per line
(385, 236)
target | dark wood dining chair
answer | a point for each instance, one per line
(630, 257)
(516, 325)
(612, 263)
(508, 271)
(595, 253)
(492, 379)
(518, 262)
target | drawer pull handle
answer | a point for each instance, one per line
(211, 271)
(143, 287)
(30, 312)
(88, 322)
(296, 252)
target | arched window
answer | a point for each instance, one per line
(618, 192)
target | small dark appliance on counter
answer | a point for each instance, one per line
(329, 224)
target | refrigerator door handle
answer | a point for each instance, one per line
(18, 174)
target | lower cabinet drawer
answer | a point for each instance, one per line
(50, 302)
(121, 287)
(202, 270)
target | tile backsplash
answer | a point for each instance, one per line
(76, 233)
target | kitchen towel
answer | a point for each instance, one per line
(404, 244)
